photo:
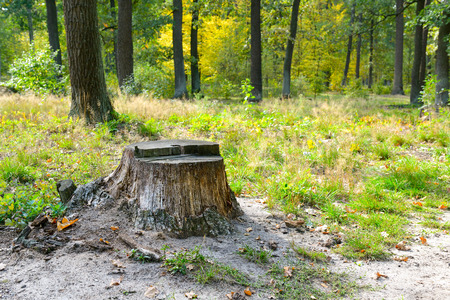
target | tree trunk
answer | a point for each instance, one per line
(111, 58)
(349, 47)
(89, 97)
(423, 61)
(125, 43)
(178, 60)
(30, 21)
(415, 73)
(397, 89)
(178, 186)
(358, 49)
(52, 28)
(371, 32)
(442, 65)
(195, 74)
(255, 51)
(290, 50)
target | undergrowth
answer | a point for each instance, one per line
(366, 166)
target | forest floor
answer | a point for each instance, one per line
(84, 269)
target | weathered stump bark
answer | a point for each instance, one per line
(178, 186)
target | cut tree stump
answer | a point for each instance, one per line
(178, 186)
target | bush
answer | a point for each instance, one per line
(356, 90)
(155, 80)
(37, 71)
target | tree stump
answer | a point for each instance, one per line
(178, 186)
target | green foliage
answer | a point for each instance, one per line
(246, 90)
(36, 71)
(151, 128)
(356, 90)
(428, 93)
(154, 80)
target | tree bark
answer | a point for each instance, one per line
(195, 74)
(255, 51)
(423, 61)
(290, 50)
(371, 32)
(178, 60)
(52, 28)
(90, 100)
(442, 64)
(178, 186)
(125, 43)
(111, 58)
(397, 88)
(30, 21)
(415, 72)
(349, 46)
(358, 49)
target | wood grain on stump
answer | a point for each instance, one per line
(178, 186)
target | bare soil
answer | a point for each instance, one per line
(83, 268)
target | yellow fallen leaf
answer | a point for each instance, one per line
(288, 271)
(114, 228)
(64, 223)
(104, 241)
(247, 291)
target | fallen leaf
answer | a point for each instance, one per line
(379, 275)
(324, 285)
(418, 203)
(288, 271)
(402, 246)
(117, 263)
(116, 281)
(362, 251)
(278, 226)
(423, 240)
(247, 291)
(230, 296)
(190, 267)
(258, 238)
(114, 228)
(349, 210)
(249, 229)
(294, 224)
(443, 207)
(64, 223)
(104, 241)
(405, 259)
(151, 292)
(191, 295)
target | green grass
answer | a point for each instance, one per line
(258, 256)
(374, 158)
(309, 254)
(202, 268)
(306, 281)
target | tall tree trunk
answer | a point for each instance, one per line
(125, 43)
(290, 50)
(90, 100)
(30, 21)
(371, 32)
(442, 65)
(178, 60)
(52, 28)
(415, 73)
(255, 51)
(111, 58)
(397, 89)
(349, 46)
(195, 74)
(358, 49)
(423, 61)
